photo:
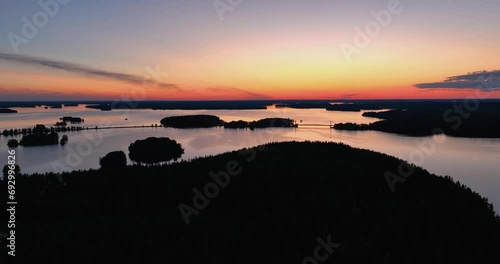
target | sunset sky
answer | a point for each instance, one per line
(258, 49)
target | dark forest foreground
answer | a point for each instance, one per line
(277, 203)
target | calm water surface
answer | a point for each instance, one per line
(474, 162)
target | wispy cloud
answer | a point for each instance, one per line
(484, 80)
(249, 94)
(79, 69)
(348, 96)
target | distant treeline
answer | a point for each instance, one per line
(341, 104)
(7, 111)
(30, 104)
(213, 105)
(184, 105)
(205, 121)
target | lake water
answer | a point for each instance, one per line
(474, 162)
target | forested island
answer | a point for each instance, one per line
(37, 136)
(155, 150)
(60, 124)
(40, 139)
(205, 121)
(67, 119)
(262, 123)
(268, 204)
(459, 120)
(72, 119)
(192, 121)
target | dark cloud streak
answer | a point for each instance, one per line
(223, 89)
(79, 69)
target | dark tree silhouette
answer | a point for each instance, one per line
(154, 150)
(273, 122)
(351, 126)
(39, 129)
(114, 160)
(5, 171)
(7, 111)
(262, 123)
(64, 140)
(12, 143)
(61, 123)
(237, 124)
(39, 139)
(72, 119)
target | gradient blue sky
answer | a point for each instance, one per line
(271, 49)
